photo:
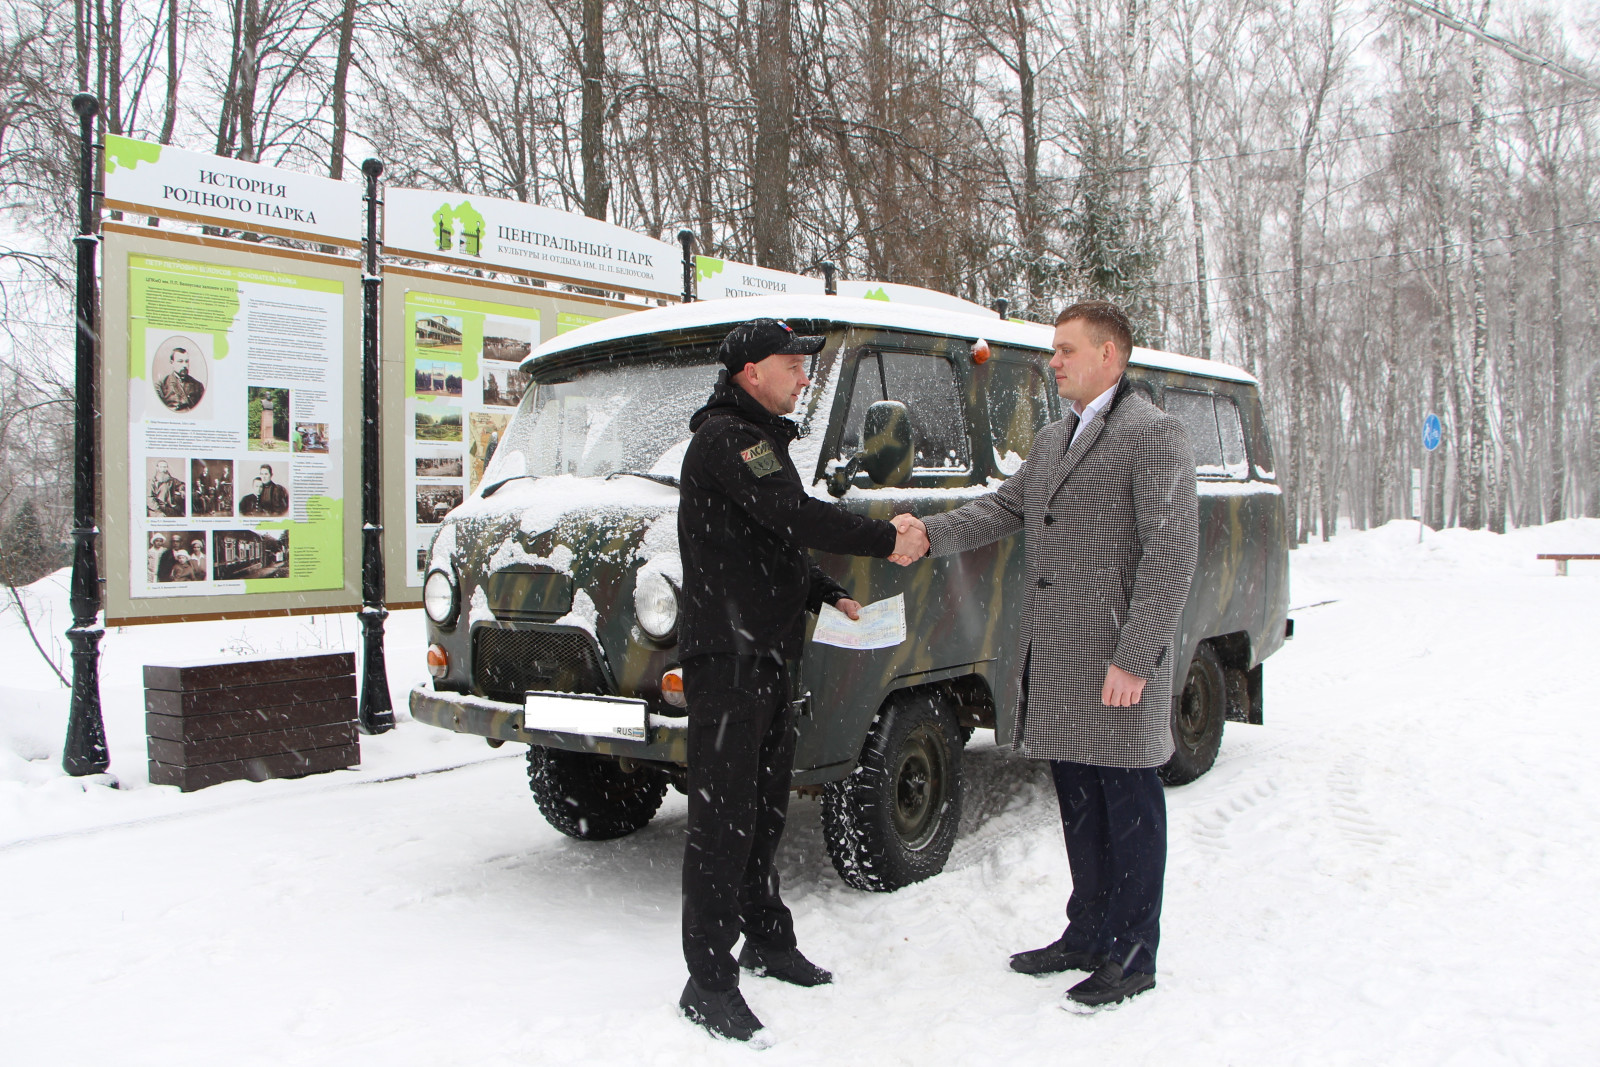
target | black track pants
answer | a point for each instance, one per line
(741, 757)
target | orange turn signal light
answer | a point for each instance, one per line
(672, 688)
(438, 661)
(980, 351)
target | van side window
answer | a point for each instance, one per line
(1234, 460)
(1018, 409)
(1198, 414)
(926, 385)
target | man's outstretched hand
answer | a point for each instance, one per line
(851, 608)
(911, 541)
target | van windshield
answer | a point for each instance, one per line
(614, 418)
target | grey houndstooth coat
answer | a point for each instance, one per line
(1112, 534)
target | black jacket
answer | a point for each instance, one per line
(744, 525)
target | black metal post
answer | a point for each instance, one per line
(85, 748)
(376, 712)
(686, 239)
(1002, 305)
(830, 284)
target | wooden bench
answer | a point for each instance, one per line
(1563, 558)
(219, 721)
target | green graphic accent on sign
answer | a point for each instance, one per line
(567, 320)
(316, 549)
(470, 220)
(875, 294)
(178, 294)
(705, 267)
(449, 330)
(128, 153)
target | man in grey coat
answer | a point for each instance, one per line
(1107, 500)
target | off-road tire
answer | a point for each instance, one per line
(892, 821)
(591, 797)
(1198, 718)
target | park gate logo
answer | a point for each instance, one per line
(459, 227)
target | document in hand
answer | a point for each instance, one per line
(882, 625)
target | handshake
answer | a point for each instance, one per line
(911, 544)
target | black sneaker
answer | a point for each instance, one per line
(724, 1014)
(1055, 958)
(786, 965)
(1108, 985)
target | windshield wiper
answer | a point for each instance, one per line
(660, 479)
(495, 488)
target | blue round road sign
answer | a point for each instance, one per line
(1432, 431)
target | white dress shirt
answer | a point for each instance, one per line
(1090, 410)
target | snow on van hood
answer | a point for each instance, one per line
(540, 503)
(912, 317)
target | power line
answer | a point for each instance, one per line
(1509, 47)
(1376, 258)
(1226, 298)
(1357, 137)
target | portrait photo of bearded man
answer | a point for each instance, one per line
(180, 363)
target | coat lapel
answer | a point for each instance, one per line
(1080, 448)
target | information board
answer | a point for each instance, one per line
(228, 442)
(452, 383)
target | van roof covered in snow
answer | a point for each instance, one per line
(697, 319)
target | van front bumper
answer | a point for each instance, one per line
(667, 742)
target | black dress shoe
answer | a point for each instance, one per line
(1108, 985)
(1055, 958)
(785, 964)
(724, 1014)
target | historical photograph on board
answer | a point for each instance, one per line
(268, 429)
(440, 424)
(435, 501)
(438, 335)
(310, 437)
(180, 371)
(165, 494)
(266, 494)
(486, 430)
(211, 488)
(438, 377)
(439, 466)
(237, 554)
(507, 339)
(176, 556)
(504, 386)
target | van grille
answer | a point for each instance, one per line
(507, 664)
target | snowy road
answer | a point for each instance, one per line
(1400, 867)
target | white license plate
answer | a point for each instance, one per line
(579, 713)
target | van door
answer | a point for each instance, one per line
(959, 619)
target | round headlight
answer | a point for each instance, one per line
(655, 605)
(440, 598)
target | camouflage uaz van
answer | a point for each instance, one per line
(552, 593)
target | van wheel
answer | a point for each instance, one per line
(892, 821)
(591, 797)
(1198, 718)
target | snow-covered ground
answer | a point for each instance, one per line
(1400, 867)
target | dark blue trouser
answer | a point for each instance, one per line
(1115, 822)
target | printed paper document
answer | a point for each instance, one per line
(882, 625)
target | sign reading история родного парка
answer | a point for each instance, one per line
(163, 180)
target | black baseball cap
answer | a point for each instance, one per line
(754, 341)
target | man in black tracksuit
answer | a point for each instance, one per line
(744, 524)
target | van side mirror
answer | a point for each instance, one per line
(885, 449)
